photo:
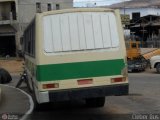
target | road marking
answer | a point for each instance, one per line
(30, 101)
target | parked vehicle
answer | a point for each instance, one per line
(5, 76)
(155, 63)
(136, 60)
(136, 65)
(133, 49)
(76, 54)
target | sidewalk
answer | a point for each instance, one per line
(15, 102)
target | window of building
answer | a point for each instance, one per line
(136, 16)
(13, 10)
(49, 7)
(134, 45)
(57, 6)
(38, 7)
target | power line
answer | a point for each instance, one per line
(98, 1)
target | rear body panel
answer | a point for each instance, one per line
(79, 44)
(79, 70)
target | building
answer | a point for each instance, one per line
(147, 29)
(15, 15)
(144, 22)
(138, 8)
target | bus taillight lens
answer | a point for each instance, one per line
(50, 85)
(115, 80)
(85, 81)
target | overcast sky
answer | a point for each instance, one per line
(84, 3)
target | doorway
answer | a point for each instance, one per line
(7, 46)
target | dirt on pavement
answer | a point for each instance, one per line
(13, 66)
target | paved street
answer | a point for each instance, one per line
(144, 98)
(14, 102)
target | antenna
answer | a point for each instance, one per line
(124, 7)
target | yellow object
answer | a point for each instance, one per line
(133, 49)
(148, 55)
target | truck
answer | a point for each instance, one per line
(133, 49)
(155, 63)
(136, 61)
(76, 54)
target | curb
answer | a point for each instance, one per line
(24, 117)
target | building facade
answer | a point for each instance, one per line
(140, 12)
(144, 20)
(15, 15)
(138, 8)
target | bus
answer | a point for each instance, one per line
(76, 54)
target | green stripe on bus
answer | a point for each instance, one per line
(66, 71)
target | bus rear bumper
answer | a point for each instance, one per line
(90, 92)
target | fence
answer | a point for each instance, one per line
(152, 43)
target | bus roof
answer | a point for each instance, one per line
(77, 10)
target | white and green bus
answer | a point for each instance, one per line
(76, 54)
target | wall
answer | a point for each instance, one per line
(27, 8)
(27, 11)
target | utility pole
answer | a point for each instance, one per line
(124, 7)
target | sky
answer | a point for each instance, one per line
(92, 3)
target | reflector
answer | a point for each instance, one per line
(50, 85)
(85, 81)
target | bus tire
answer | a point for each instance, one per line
(158, 68)
(95, 102)
(36, 104)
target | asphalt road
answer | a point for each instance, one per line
(142, 102)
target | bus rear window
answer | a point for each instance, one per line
(80, 31)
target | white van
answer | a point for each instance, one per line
(155, 63)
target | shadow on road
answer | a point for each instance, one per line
(73, 110)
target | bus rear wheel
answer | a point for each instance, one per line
(158, 68)
(95, 102)
(37, 106)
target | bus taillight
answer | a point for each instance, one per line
(85, 81)
(50, 85)
(115, 80)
